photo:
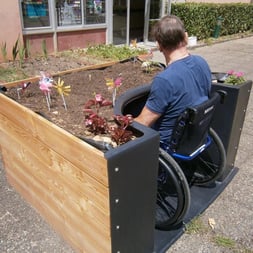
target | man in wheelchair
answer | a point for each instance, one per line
(181, 107)
(185, 82)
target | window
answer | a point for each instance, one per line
(94, 11)
(68, 12)
(35, 13)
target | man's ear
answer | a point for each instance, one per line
(159, 47)
(186, 37)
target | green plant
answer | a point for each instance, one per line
(195, 226)
(21, 54)
(224, 242)
(44, 49)
(234, 77)
(11, 74)
(15, 50)
(28, 48)
(200, 19)
(114, 52)
(4, 51)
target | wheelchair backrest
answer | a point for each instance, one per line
(192, 126)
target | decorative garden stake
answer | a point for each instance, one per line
(62, 90)
(114, 85)
(22, 88)
(45, 84)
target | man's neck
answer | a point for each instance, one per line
(175, 55)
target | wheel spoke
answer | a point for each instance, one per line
(173, 196)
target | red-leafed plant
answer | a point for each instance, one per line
(98, 124)
(121, 134)
(94, 122)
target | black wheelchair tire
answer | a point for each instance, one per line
(211, 163)
(172, 202)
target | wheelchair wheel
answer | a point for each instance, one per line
(173, 193)
(210, 164)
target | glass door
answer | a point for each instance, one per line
(120, 22)
(128, 21)
(136, 26)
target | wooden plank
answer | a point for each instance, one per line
(55, 173)
(81, 154)
(71, 233)
(54, 221)
(72, 175)
(69, 71)
(61, 204)
(84, 233)
(64, 178)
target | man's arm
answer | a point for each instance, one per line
(147, 117)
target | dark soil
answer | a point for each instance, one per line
(84, 84)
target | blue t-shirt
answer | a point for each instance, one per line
(185, 82)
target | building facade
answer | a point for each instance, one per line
(64, 24)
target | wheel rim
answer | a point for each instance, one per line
(210, 164)
(173, 194)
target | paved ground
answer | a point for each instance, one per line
(22, 230)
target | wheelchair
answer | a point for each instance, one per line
(195, 155)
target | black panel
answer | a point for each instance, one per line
(132, 170)
(134, 181)
(229, 117)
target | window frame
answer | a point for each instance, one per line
(53, 27)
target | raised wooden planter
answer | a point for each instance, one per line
(99, 202)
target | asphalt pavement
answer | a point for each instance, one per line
(23, 230)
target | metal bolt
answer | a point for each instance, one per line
(117, 227)
(116, 201)
(116, 169)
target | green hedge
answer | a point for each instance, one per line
(200, 19)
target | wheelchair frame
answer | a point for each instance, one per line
(206, 163)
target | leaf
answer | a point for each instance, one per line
(211, 222)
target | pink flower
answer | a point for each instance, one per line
(234, 77)
(99, 98)
(239, 74)
(230, 72)
(118, 82)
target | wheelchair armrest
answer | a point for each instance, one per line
(222, 94)
(192, 112)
